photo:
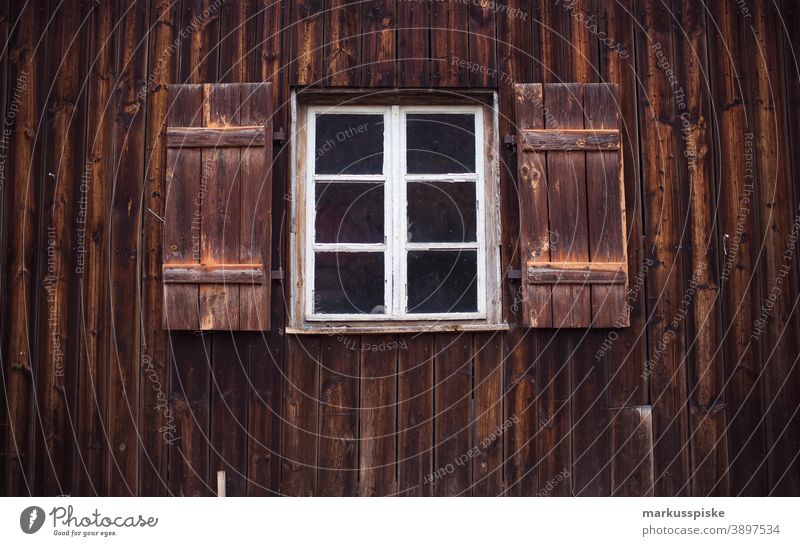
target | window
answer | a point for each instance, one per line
(395, 217)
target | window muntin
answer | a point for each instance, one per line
(440, 268)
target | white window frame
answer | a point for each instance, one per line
(395, 246)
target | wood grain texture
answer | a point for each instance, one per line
(413, 39)
(378, 416)
(632, 469)
(337, 458)
(125, 252)
(571, 140)
(415, 416)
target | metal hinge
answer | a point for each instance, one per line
(511, 142)
(276, 274)
(279, 136)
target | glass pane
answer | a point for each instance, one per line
(349, 213)
(443, 281)
(442, 212)
(348, 282)
(440, 143)
(349, 144)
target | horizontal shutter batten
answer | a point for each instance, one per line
(570, 140)
(214, 274)
(577, 272)
(215, 137)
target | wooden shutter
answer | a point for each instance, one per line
(572, 211)
(216, 268)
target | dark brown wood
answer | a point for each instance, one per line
(337, 436)
(415, 416)
(255, 225)
(449, 47)
(308, 22)
(207, 274)
(571, 140)
(183, 183)
(413, 39)
(343, 43)
(154, 376)
(577, 272)
(780, 223)
(55, 374)
(215, 137)
(532, 189)
(626, 356)
(632, 473)
(664, 197)
(26, 76)
(378, 42)
(709, 450)
(482, 47)
(566, 186)
(605, 195)
(453, 440)
(189, 402)
(300, 417)
(125, 268)
(521, 395)
(490, 427)
(377, 422)
(554, 434)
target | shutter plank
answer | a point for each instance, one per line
(532, 188)
(182, 216)
(566, 173)
(606, 208)
(219, 304)
(256, 201)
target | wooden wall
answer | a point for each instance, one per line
(700, 396)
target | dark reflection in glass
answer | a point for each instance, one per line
(348, 282)
(440, 143)
(443, 212)
(349, 212)
(443, 281)
(349, 144)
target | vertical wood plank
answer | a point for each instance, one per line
(739, 294)
(343, 43)
(221, 209)
(554, 435)
(566, 195)
(449, 44)
(157, 417)
(377, 444)
(779, 221)
(189, 397)
(490, 427)
(453, 427)
(605, 202)
(337, 458)
(482, 48)
(300, 407)
(5, 217)
(378, 43)
(229, 426)
(199, 51)
(415, 417)
(632, 472)
(533, 189)
(255, 207)
(664, 194)
(26, 72)
(306, 57)
(709, 454)
(413, 41)
(626, 354)
(55, 371)
(126, 208)
(521, 395)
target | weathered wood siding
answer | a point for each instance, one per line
(700, 395)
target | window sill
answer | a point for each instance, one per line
(404, 328)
